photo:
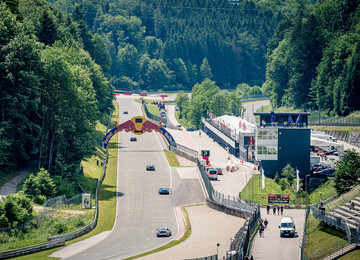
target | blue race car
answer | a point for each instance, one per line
(164, 191)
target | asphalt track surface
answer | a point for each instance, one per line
(140, 209)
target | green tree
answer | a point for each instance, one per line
(289, 173)
(348, 172)
(47, 29)
(205, 70)
(182, 101)
(234, 104)
(283, 184)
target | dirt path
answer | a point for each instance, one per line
(10, 186)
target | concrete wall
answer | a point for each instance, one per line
(182, 154)
(231, 211)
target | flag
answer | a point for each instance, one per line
(272, 117)
(297, 180)
(298, 120)
(290, 119)
(262, 179)
(244, 126)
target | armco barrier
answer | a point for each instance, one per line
(32, 249)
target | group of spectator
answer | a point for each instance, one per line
(275, 207)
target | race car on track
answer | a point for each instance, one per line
(133, 139)
(163, 232)
(164, 191)
(150, 167)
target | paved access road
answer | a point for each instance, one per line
(230, 183)
(251, 107)
(272, 246)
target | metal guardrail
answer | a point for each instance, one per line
(32, 249)
(208, 185)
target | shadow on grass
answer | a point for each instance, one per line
(330, 230)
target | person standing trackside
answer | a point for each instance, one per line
(278, 208)
(268, 209)
(282, 209)
(274, 210)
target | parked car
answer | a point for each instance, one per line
(133, 139)
(287, 227)
(164, 191)
(219, 170)
(179, 127)
(326, 172)
(163, 232)
(150, 167)
(330, 152)
(190, 129)
(212, 174)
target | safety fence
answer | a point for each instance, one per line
(302, 246)
(60, 202)
(334, 121)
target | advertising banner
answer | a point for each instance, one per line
(86, 201)
(271, 198)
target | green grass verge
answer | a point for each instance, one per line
(255, 193)
(154, 110)
(337, 128)
(107, 199)
(174, 242)
(321, 238)
(171, 157)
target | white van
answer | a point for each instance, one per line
(212, 174)
(287, 227)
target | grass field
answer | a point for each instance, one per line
(321, 238)
(107, 199)
(171, 157)
(154, 110)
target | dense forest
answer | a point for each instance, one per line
(174, 44)
(60, 61)
(53, 89)
(313, 58)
